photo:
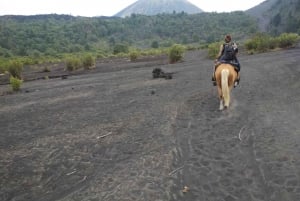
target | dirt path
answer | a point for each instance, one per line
(250, 152)
(120, 135)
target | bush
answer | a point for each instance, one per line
(88, 61)
(259, 43)
(3, 66)
(273, 43)
(100, 55)
(263, 42)
(250, 45)
(121, 48)
(15, 68)
(213, 50)
(155, 44)
(15, 83)
(73, 63)
(133, 55)
(176, 53)
(287, 40)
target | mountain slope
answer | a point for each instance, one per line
(277, 16)
(261, 13)
(154, 7)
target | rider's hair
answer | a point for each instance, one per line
(227, 38)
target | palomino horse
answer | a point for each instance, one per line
(225, 77)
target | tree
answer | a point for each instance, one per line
(155, 44)
(121, 48)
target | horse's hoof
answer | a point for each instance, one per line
(225, 107)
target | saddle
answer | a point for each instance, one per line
(233, 63)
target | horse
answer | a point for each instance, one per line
(225, 78)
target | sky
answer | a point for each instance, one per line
(91, 8)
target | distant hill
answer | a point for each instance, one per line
(277, 16)
(154, 7)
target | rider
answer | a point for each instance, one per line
(227, 54)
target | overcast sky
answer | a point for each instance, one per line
(91, 8)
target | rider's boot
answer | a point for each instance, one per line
(237, 81)
(213, 78)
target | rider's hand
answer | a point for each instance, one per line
(234, 46)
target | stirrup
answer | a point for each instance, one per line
(236, 83)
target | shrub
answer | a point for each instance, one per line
(133, 55)
(263, 42)
(100, 55)
(152, 52)
(250, 45)
(88, 61)
(73, 63)
(15, 68)
(273, 43)
(287, 40)
(213, 50)
(260, 43)
(3, 66)
(155, 44)
(121, 48)
(176, 53)
(15, 83)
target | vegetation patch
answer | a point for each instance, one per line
(15, 68)
(15, 83)
(73, 63)
(213, 49)
(264, 42)
(134, 55)
(88, 61)
(176, 53)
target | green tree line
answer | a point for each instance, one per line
(52, 35)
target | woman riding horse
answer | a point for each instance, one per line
(227, 54)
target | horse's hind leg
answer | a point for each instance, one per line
(221, 104)
(220, 98)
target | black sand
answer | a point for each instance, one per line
(117, 134)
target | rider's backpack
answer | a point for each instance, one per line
(229, 51)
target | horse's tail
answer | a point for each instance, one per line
(225, 88)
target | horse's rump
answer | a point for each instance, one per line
(225, 77)
(232, 74)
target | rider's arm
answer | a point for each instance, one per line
(220, 52)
